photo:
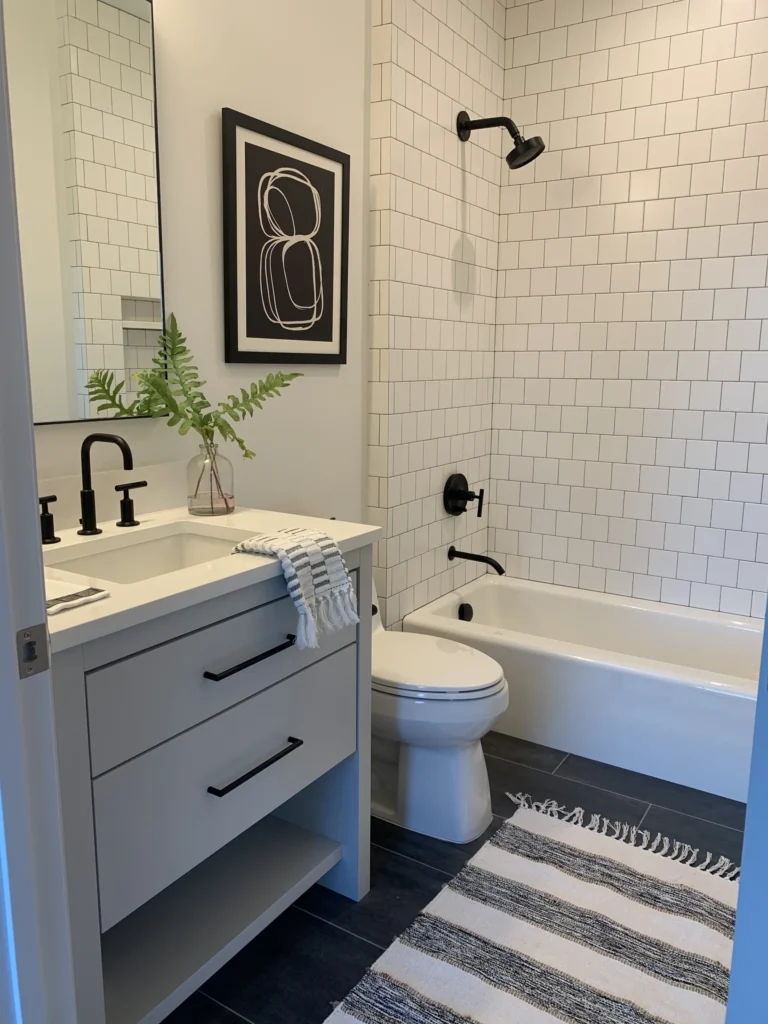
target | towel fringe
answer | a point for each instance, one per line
(325, 600)
(306, 630)
(682, 853)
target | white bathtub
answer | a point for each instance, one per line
(655, 688)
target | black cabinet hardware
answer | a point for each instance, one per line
(293, 744)
(218, 676)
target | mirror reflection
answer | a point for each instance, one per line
(82, 100)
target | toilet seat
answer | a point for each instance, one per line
(423, 667)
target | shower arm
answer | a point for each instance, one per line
(465, 126)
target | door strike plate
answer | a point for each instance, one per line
(32, 650)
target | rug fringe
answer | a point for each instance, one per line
(683, 853)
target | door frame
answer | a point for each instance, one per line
(748, 995)
(36, 977)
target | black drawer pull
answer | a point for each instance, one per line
(218, 676)
(293, 744)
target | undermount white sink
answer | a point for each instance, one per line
(151, 551)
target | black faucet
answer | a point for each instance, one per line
(87, 496)
(453, 553)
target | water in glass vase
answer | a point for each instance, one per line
(210, 483)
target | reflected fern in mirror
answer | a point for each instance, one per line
(174, 389)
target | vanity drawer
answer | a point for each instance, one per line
(146, 699)
(156, 818)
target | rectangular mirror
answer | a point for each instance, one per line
(82, 99)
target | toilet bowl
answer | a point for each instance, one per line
(433, 700)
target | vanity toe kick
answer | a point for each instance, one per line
(162, 813)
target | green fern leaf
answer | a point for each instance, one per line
(173, 388)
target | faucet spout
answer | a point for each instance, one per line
(453, 553)
(87, 496)
(85, 454)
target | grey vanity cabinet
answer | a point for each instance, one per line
(210, 772)
(141, 701)
(155, 817)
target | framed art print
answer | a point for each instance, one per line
(286, 237)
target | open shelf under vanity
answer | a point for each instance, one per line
(159, 955)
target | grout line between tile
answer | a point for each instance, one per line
(695, 817)
(347, 931)
(661, 807)
(522, 764)
(225, 1007)
(423, 863)
(557, 769)
(613, 792)
(413, 860)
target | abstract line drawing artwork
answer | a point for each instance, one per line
(286, 229)
(282, 237)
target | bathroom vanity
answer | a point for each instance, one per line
(209, 770)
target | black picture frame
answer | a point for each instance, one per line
(239, 342)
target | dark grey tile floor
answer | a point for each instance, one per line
(307, 960)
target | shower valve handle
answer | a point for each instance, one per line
(481, 496)
(457, 494)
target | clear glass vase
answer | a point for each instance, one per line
(210, 483)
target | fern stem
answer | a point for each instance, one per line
(215, 470)
(210, 451)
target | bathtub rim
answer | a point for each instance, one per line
(431, 618)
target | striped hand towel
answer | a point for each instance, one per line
(61, 596)
(316, 577)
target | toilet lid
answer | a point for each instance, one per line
(416, 661)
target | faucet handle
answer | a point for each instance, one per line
(125, 488)
(47, 528)
(126, 503)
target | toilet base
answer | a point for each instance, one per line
(443, 792)
(427, 763)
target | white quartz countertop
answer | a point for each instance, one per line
(131, 604)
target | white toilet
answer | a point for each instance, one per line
(433, 701)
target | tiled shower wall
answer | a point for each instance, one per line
(108, 108)
(434, 232)
(631, 392)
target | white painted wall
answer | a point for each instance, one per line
(33, 75)
(303, 67)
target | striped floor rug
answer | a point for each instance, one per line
(560, 919)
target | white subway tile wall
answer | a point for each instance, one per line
(107, 95)
(434, 258)
(630, 410)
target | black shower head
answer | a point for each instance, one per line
(525, 150)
